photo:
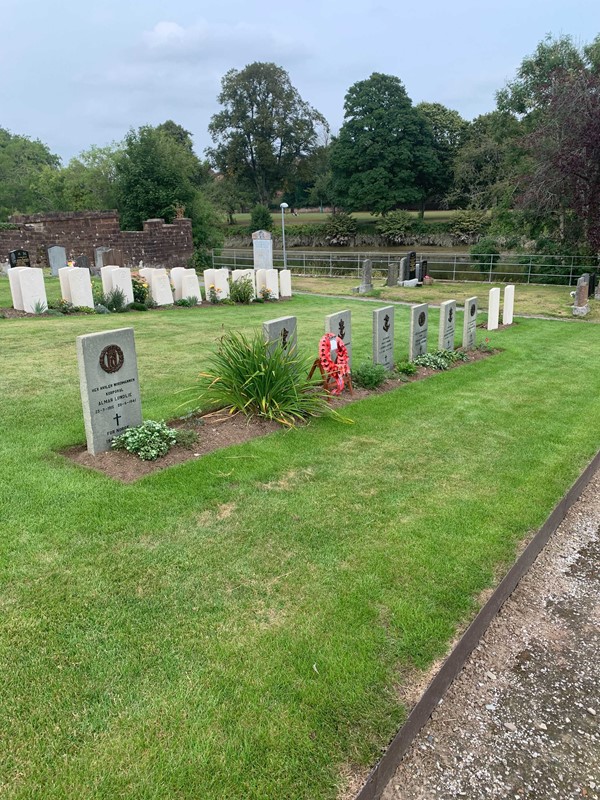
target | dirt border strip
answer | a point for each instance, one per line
(385, 769)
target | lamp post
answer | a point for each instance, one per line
(283, 207)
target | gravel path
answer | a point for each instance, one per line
(522, 718)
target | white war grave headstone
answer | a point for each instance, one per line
(262, 250)
(272, 283)
(493, 309)
(121, 279)
(341, 325)
(241, 274)
(27, 289)
(80, 287)
(110, 389)
(383, 337)
(285, 283)
(65, 285)
(190, 286)
(417, 343)
(447, 325)
(509, 304)
(470, 323)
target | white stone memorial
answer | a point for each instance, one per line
(110, 390)
(121, 279)
(261, 280)
(80, 287)
(190, 286)
(285, 283)
(240, 274)
(272, 283)
(222, 283)
(160, 288)
(177, 274)
(209, 280)
(493, 309)
(106, 276)
(509, 304)
(28, 289)
(262, 250)
(65, 286)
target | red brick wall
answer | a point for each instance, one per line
(79, 232)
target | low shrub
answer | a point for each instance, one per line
(440, 359)
(466, 224)
(265, 294)
(260, 219)
(395, 226)
(63, 306)
(340, 229)
(100, 309)
(406, 368)
(485, 253)
(212, 295)
(151, 440)
(135, 306)
(186, 302)
(369, 375)
(115, 301)
(251, 376)
(140, 287)
(241, 291)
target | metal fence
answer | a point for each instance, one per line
(507, 268)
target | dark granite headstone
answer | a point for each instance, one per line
(19, 258)
(412, 265)
(83, 262)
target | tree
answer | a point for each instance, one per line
(22, 161)
(564, 152)
(383, 156)
(264, 131)
(449, 131)
(87, 183)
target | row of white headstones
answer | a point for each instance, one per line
(28, 290)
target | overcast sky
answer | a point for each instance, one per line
(81, 72)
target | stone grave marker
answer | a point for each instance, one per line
(272, 283)
(392, 276)
(106, 275)
(112, 256)
(80, 287)
(261, 280)
(581, 306)
(509, 304)
(222, 283)
(341, 324)
(383, 337)
(285, 283)
(121, 279)
(262, 250)
(417, 343)
(65, 286)
(411, 259)
(19, 258)
(447, 325)
(160, 288)
(99, 258)
(284, 330)
(403, 270)
(14, 282)
(190, 286)
(30, 283)
(57, 258)
(83, 262)
(240, 274)
(366, 281)
(110, 389)
(493, 309)
(470, 323)
(177, 274)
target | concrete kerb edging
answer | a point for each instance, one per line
(385, 769)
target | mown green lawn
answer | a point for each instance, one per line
(532, 299)
(238, 626)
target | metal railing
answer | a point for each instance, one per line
(505, 268)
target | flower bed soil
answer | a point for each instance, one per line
(218, 430)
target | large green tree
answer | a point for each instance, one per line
(264, 131)
(449, 131)
(22, 161)
(87, 183)
(384, 155)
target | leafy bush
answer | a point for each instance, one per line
(149, 441)
(135, 306)
(369, 375)
(394, 226)
(265, 294)
(241, 291)
(484, 253)
(340, 229)
(84, 310)
(187, 302)
(97, 293)
(40, 307)
(466, 224)
(213, 295)
(440, 359)
(64, 306)
(115, 301)
(100, 309)
(261, 219)
(256, 378)
(406, 368)
(140, 287)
